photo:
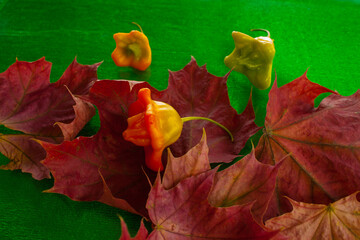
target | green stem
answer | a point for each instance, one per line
(138, 26)
(264, 30)
(185, 119)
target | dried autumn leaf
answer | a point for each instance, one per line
(84, 111)
(109, 199)
(141, 235)
(76, 164)
(320, 146)
(245, 182)
(195, 161)
(78, 79)
(193, 91)
(338, 220)
(31, 104)
(24, 154)
(121, 163)
(183, 212)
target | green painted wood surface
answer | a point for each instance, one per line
(321, 36)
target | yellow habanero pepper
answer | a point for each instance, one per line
(132, 49)
(252, 57)
(155, 125)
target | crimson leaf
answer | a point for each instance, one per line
(183, 212)
(244, 182)
(31, 104)
(76, 165)
(193, 91)
(320, 147)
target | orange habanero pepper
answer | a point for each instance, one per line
(153, 125)
(132, 49)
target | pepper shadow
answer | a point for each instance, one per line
(129, 73)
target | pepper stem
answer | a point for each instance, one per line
(138, 26)
(186, 119)
(264, 30)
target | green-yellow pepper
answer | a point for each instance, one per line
(252, 57)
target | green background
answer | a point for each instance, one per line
(321, 36)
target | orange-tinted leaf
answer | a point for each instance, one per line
(24, 153)
(320, 146)
(338, 220)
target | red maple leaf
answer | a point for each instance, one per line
(141, 235)
(247, 181)
(179, 206)
(193, 91)
(78, 79)
(75, 165)
(32, 105)
(338, 220)
(320, 147)
(194, 162)
(183, 212)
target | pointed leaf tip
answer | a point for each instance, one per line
(125, 235)
(172, 211)
(193, 91)
(242, 183)
(194, 162)
(318, 221)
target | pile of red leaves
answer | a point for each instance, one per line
(300, 182)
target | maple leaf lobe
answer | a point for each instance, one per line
(193, 91)
(183, 212)
(141, 235)
(246, 181)
(33, 105)
(317, 221)
(194, 162)
(319, 146)
(122, 163)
